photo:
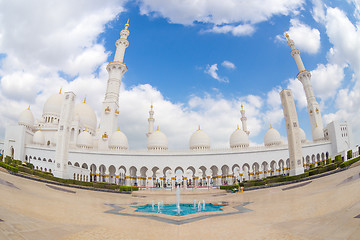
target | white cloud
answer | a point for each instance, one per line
(212, 71)
(298, 92)
(345, 38)
(239, 30)
(326, 80)
(228, 64)
(307, 39)
(218, 12)
(242, 13)
(318, 11)
(274, 115)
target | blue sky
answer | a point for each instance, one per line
(197, 61)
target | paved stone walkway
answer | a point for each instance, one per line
(323, 208)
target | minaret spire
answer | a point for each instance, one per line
(151, 121)
(122, 43)
(110, 107)
(243, 120)
(304, 77)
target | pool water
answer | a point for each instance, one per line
(186, 209)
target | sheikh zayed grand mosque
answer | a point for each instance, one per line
(68, 141)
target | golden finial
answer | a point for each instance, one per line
(127, 23)
(242, 106)
(85, 130)
(237, 126)
(99, 125)
(157, 129)
(85, 99)
(29, 107)
(199, 128)
(60, 91)
(270, 125)
(119, 128)
(286, 34)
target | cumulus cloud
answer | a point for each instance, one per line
(219, 12)
(239, 30)
(298, 92)
(307, 39)
(345, 38)
(228, 64)
(274, 115)
(318, 11)
(212, 71)
(228, 16)
(326, 80)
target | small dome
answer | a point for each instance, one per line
(272, 137)
(302, 135)
(26, 118)
(86, 116)
(157, 141)
(39, 138)
(239, 139)
(318, 134)
(53, 105)
(84, 140)
(199, 140)
(118, 140)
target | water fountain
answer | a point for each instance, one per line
(179, 209)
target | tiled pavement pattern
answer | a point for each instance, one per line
(326, 208)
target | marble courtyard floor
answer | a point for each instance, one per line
(323, 208)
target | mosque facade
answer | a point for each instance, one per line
(67, 141)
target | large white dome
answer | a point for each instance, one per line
(239, 139)
(86, 116)
(318, 134)
(39, 138)
(272, 137)
(84, 140)
(157, 141)
(26, 118)
(53, 105)
(199, 140)
(118, 140)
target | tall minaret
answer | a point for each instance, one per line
(243, 120)
(304, 76)
(63, 136)
(110, 106)
(293, 132)
(151, 121)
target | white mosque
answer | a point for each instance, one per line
(68, 142)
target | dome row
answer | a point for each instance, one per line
(158, 141)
